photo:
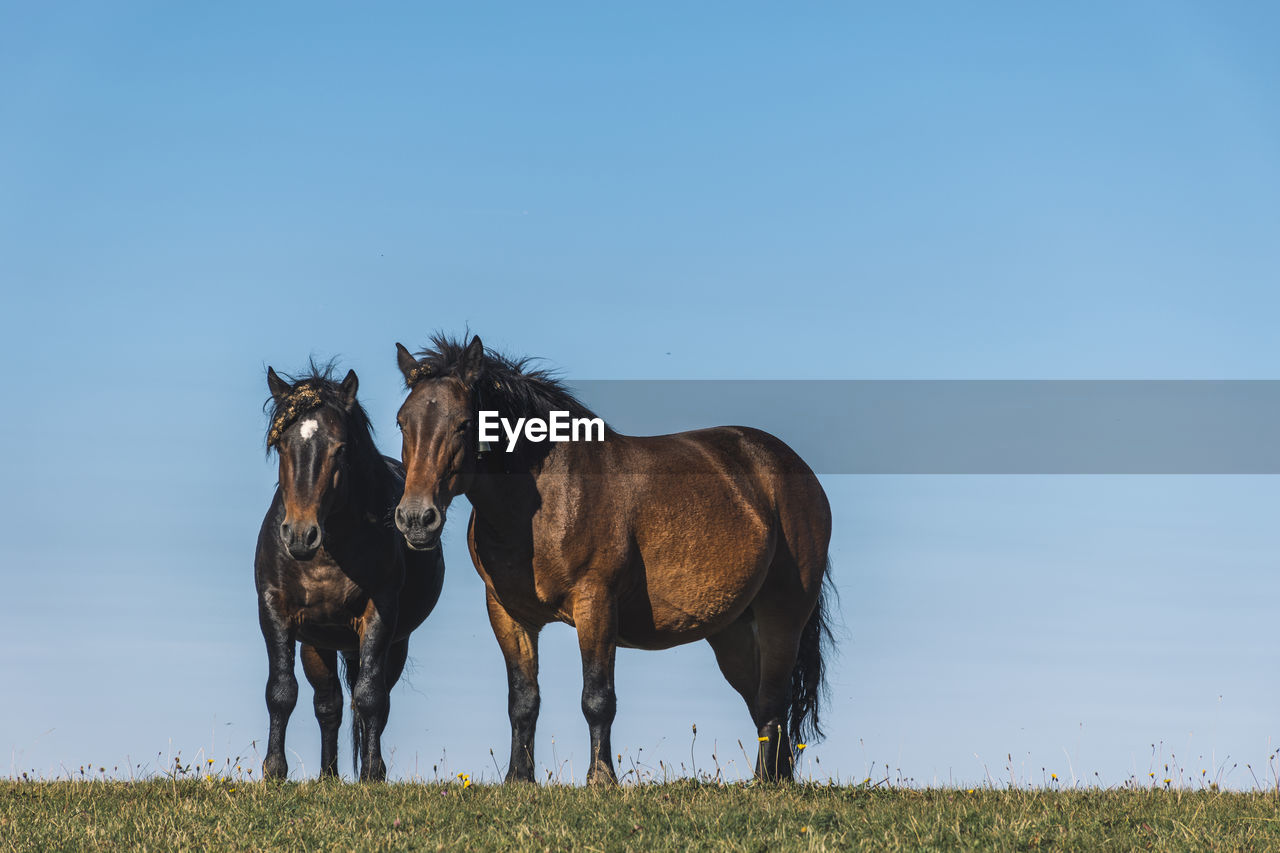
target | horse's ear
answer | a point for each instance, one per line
(404, 358)
(472, 361)
(279, 388)
(348, 389)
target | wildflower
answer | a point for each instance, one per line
(1053, 776)
(764, 739)
(801, 745)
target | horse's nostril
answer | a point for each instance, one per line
(285, 531)
(313, 537)
(400, 518)
(429, 516)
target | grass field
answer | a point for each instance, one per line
(225, 815)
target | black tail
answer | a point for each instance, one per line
(808, 679)
(349, 674)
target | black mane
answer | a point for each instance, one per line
(510, 385)
(314, 389)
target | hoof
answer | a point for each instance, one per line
(275, 767)
(602, 776)
(376, 773)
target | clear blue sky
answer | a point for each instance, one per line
(661, 191)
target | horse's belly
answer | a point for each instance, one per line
(683, 604)
(342, 638)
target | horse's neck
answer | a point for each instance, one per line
(367, 495)
(505, 501)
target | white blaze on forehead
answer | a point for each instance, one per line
(309, 427)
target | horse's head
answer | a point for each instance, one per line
(440, 440)
(310, 427)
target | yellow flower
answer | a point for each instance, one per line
(801, 745)
(1053, 776)
(764, 739)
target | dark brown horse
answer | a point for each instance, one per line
(332, 572)
(718, 535)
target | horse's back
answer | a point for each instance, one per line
(754, 465)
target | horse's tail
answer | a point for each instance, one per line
(357, 727)
(357, 738)
(808, 679)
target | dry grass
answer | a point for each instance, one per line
(219, 814)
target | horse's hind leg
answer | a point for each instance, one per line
(778, 642)
(352, 661)
(791, 627)
(739, 659)
(321, 668)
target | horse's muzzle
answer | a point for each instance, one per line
(421, 526)
(302, 541)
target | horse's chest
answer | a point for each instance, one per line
(524, 585)
(327, 597)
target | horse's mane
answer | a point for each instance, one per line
(313, 389)
(510, 385)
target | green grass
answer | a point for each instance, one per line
(225, 815)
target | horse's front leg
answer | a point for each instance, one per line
(282, 686)
(519, 645)
(596, 616)
(371, 696)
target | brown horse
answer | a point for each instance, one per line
(645, 542)
(332, 572)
